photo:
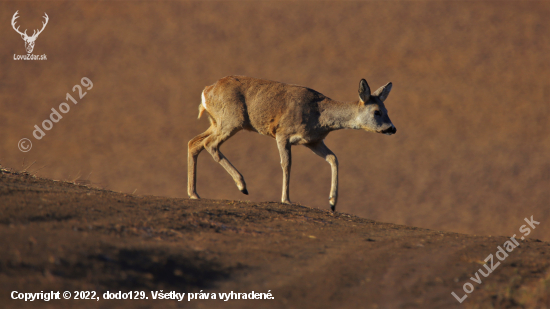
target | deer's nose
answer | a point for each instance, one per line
(391, 130)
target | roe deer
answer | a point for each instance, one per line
(292, 114)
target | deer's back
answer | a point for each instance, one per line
(262, 105)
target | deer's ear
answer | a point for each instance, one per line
(383, 92)
(364, 91)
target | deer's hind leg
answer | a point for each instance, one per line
(212, 145)
(195, 146)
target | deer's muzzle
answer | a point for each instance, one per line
(389, 131)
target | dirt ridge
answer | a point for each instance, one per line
(63, 236)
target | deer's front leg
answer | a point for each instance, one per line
(286, 161)
(320, 149)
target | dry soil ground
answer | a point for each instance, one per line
(60, 236)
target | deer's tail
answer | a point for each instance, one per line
(201, 111)
(202, 106)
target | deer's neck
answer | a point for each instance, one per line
(336, 115)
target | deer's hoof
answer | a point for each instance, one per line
(244, 191)
(332, 202)
(194, 196)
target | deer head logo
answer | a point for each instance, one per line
(29, 40)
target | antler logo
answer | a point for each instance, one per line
(29, 40)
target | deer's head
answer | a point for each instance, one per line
(29, 40)
(373, 115)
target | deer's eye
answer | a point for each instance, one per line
(377, 113)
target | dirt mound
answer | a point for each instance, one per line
(60, 236)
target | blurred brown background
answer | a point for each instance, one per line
(471, 82)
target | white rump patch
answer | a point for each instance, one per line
(203, 100)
